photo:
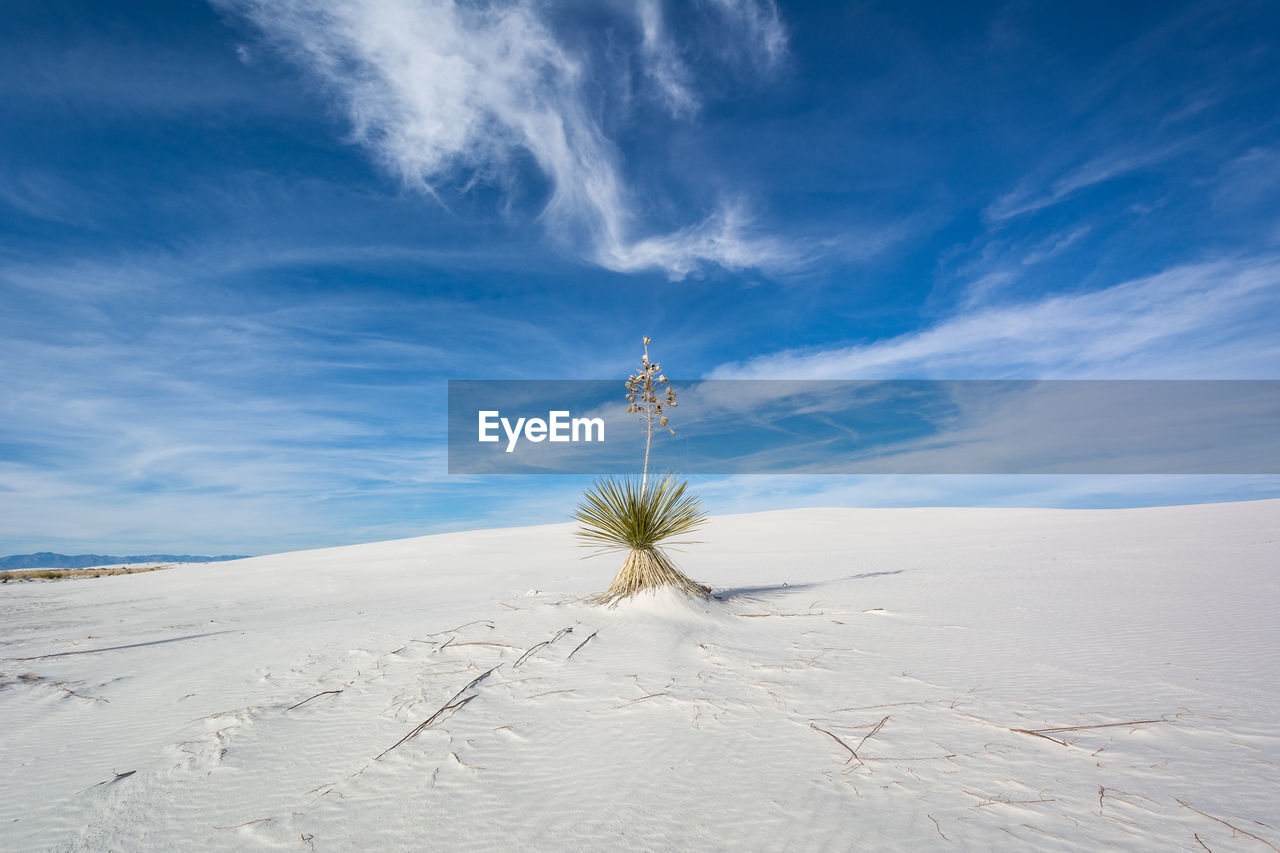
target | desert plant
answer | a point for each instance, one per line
(619, 513)
(647, 394)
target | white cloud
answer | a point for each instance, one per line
(1028, 197)
(1206, 320)
(755, 493)
(756, 24)
(1055, 245)
(724, 238)
(444, 93)
(662, 61)
(161, 409)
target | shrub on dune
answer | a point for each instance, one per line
(619, 513)
(640, 517)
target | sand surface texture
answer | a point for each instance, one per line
(889, 679)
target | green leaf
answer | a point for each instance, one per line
(618, 513)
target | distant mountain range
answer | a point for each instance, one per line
(46, 560)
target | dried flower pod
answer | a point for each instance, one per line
(646, 399)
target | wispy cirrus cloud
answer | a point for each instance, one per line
(447, 95)
(152, 401)
(756, 29)
(1213, 319)
(751, 493)
(662, 61)
(1032, 195)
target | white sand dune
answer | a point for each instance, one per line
(265, 703)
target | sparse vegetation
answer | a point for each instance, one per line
(619, 513)
(62, 574)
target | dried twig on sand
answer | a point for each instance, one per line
(1037, 734)
(452, 705)
(484, 622)
(580, 645)
(853, 756)
(1095, 726)
(996, 801)
(641, 699)
(1232, 826)
(853, 751)
(870, 733)
(246, 823)
(533, 649)
(317, 696)
(115, 778)
(1044, 733)
(874, 707)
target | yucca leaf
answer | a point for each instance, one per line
(621, 513)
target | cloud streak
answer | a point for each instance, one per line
(445, 95)
(1212, 320)
(1028, 198)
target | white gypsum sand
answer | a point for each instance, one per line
(872, 679)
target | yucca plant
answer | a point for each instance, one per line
(622, 514)
(619, 513)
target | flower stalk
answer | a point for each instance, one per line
(618, 513)
(649, 395)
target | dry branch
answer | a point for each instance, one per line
(484, 622)
(853, 751)
(853, 756)
(246, 823)
(115, 778)
(453, 704)
(317, 696)
(1096, 726)
(533, 649)
(641, 699)
(1044, 732)
(1038, 734)
(1230, 825)
(870, 733)
(873, 707)
(580, 645)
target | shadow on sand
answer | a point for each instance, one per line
(780, 589)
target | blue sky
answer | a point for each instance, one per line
(243, 246)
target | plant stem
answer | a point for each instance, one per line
(648, 434)
(644, 476)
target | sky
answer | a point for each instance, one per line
(245, 244)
